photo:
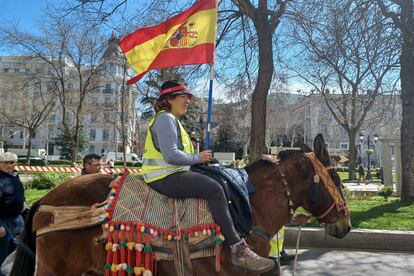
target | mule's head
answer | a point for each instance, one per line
(323, 196)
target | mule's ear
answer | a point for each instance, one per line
(320, 150)
(303, 146)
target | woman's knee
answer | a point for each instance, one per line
(215, 188)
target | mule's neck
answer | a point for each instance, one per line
(270, 204)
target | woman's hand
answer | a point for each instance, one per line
(206, 156)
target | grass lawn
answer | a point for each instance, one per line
(376, 213)
(32, 195)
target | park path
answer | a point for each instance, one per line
(334, 262)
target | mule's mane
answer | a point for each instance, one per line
(267, 164)
(288, 154)
(259, 164)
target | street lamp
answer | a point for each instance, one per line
(361, 138)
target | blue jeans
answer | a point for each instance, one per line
(14, 226)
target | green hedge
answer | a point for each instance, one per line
(47, 180)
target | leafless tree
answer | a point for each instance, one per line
(347, 55)
(402, 15)
(25, 103)
(71, 52)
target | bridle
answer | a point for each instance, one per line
(321, 172)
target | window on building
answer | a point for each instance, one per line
(105, 135)
(21, 134)
(108, 88)
(108, 100)
(93, 118)
(16, 70)
(94, 100)
(34, 134)
(107, 117)
(27, 70)
(344, 146)
(70, 85)
(11, 134)
(38, 70)
(91, 148)
(6, 70)
(92, 134)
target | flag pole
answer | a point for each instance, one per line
(210, 108)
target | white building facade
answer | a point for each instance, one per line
(108, 108)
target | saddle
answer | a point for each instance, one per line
(144, 226)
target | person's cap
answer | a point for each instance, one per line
(8, 157)
(173, 87)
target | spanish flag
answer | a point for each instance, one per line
(187, 38)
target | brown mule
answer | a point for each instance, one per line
(280, 189)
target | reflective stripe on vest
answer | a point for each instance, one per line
(154, 167)
(156, 162)
(166, 171)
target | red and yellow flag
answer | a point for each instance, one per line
(187, 38)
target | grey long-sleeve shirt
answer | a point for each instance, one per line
(165, 135)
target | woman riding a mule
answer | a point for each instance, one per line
(168, 156)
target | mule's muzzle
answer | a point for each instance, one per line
(339, 228)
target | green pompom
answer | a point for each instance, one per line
(218, 241)
(108, 266)
(129, 269)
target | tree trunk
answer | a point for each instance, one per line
(407, 96)
(29, 149)
(264, 79)
(124, 145)
(352, 156)
(74, 150)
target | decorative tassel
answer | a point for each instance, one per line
(122, 248)
(115, 253)
(130, 247)
(147, 273)
(108, 248)
(138, 249)
(147, 251)
(217, 250)
(316, 178)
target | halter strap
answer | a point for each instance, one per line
(323, 174)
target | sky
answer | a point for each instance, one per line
(22, 12)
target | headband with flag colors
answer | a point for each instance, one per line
(187, 38)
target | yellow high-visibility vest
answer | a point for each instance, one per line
(276, 243)
(154, 167)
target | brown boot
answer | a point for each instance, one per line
(243, 257)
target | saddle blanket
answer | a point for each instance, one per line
(141, 221)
